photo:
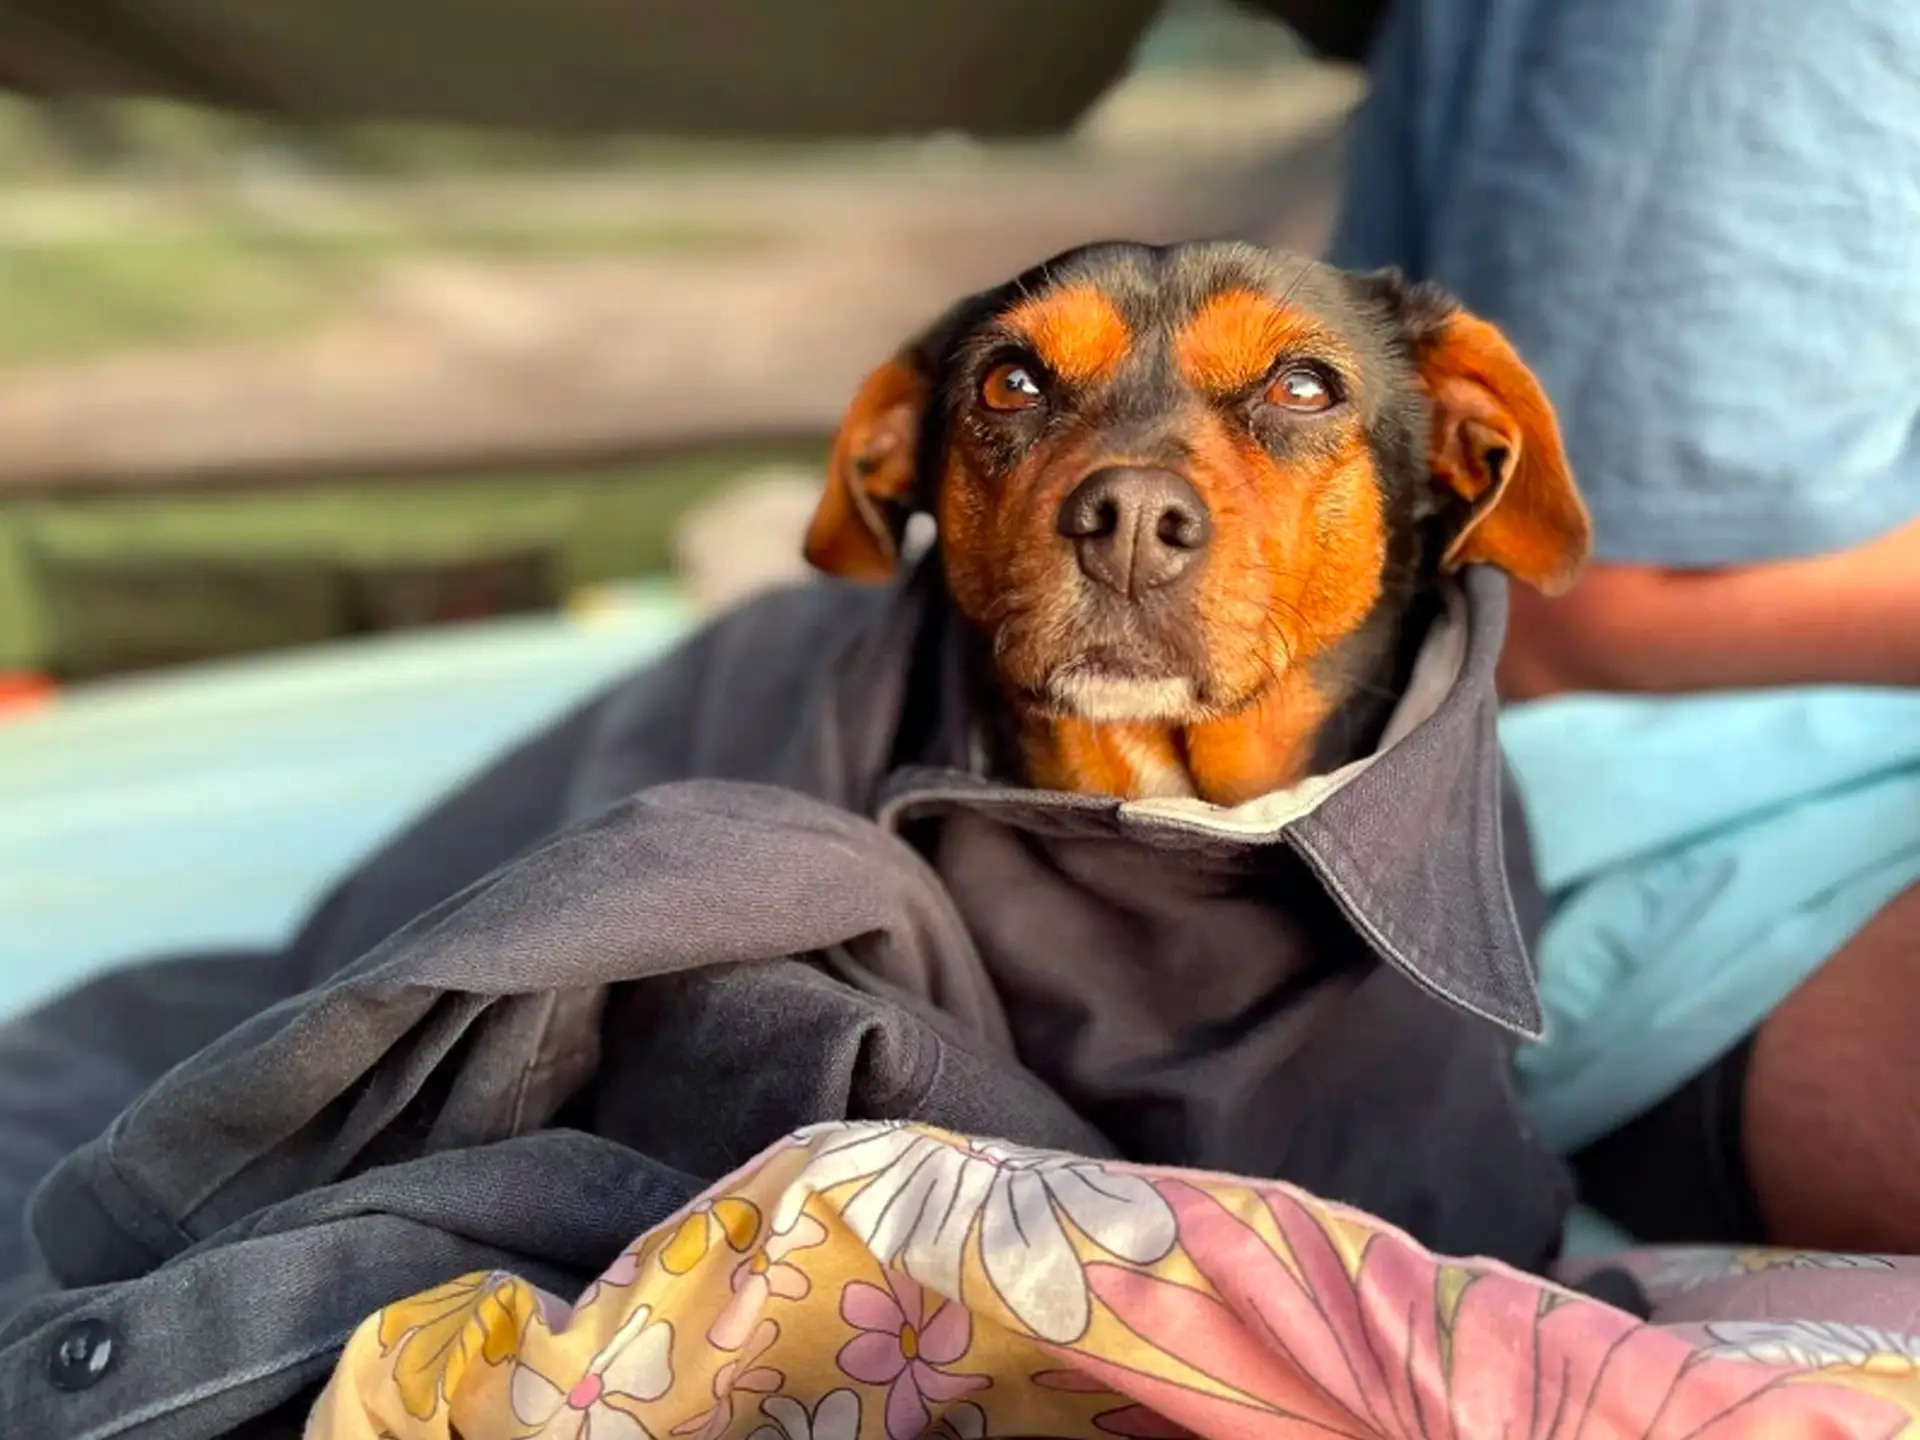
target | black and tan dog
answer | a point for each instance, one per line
(1192, 499)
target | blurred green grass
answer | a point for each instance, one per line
(605, 521)
(146, 227)
(601, 524)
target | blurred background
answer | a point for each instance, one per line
(375, 381)
(269, 382)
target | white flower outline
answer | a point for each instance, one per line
(636, 1363)
(1809, 1344)
(835, 1417)
(1680, 1269)
(925, 1195)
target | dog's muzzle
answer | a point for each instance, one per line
(1135, 529)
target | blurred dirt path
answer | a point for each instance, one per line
(454, 365)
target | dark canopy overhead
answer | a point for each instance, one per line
(799, 68)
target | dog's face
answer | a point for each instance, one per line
(1168, 481)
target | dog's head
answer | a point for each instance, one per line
(1170, 482)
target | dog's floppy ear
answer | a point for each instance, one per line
(1495, 450)
(856, 529)
(873, 482)
(1496, 446)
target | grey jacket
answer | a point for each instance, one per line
(589, 975)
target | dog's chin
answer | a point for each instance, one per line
(1106, 697)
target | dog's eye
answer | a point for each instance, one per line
(1301, 388)
(1010, 387)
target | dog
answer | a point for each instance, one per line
(1194, 500)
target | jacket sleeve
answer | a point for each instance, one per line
(68, 1068)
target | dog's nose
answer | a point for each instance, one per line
(1134, 529)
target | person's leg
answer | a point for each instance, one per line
(1832, 1106)
(1806, 1134)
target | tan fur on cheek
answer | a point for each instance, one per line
(1009, 573)
(965, 524)
(1312, 574)
(1292, 548)
(1349, 547)
(1248, 562)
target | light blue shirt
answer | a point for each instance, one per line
(1699, 221)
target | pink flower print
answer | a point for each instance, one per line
(1411, 1346)
(621, 1275)
(906, 1348)
(764, 1276)
(745, 1374)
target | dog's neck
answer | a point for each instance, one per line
(1315, 718)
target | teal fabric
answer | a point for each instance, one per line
(1704, 855)
(1589, 1233)
(213, 806)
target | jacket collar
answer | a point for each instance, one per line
(1407, 841)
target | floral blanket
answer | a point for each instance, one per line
(886, 1282)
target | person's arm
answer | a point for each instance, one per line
(1846, 619)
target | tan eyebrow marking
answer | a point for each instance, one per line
(1234, 338)
(1076, 332)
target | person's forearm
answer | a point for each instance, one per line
(1843, 619)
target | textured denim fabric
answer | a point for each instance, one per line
(228, 1330)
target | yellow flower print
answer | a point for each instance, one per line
(763, 1276)
(736, 1222)
(440, 1332)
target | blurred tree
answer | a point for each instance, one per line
(742, 68)
(694, 67)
